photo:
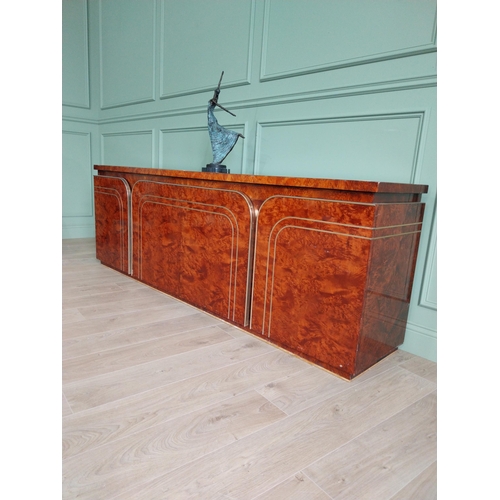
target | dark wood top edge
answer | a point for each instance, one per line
(338, 184)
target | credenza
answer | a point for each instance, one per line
(322, 268)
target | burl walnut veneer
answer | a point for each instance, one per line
(322, 268)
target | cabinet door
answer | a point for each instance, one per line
(310, 274)
(194, 243)
(112, 207)
(332, 279)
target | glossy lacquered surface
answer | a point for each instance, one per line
(194, 243)
(332, 279)
(271, 180)
(322, 268)
(111, 199)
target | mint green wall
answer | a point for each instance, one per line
(80, 128)
(321, 88)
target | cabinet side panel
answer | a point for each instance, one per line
(387, 300)
(111, 200)
(390, 279)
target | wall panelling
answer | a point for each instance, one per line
(133, 148)
(322, 36)
(127, 51)
(220, 38)
(77, 186)
(387, 143)
(75, 54)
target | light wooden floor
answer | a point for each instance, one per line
(161, 401)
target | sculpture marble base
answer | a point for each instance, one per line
(215, 167)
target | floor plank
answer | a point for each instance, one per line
(251, 466)
(387, 458)
(138, 353)
(302, 390)
(298, 487)
(181, 320)
(122, 299)
(106, 423)
(111, 469)
(66, 409)
(422, 367)
(423, 487)
(126, 319)
(113, 386)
